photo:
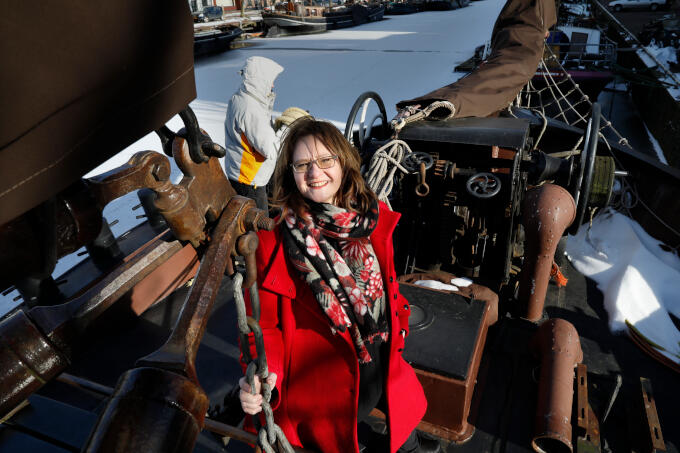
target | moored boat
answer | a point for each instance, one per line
(215, 40)
(397, 8)
(302, 19)
(443, 5)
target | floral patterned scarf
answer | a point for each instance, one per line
(332, 252)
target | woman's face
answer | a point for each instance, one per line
(316, 184)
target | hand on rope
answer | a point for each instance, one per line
(257, 375)
(251, 401)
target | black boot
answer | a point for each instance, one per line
(418, 442)
(427, 444)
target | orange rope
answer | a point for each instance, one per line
(558, 276)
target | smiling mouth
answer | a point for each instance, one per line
(317, 185)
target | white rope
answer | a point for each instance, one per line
(543, 128)
(445, 110)
(384, 164)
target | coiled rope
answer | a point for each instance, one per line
(384, 164)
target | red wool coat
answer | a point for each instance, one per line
(318, 371)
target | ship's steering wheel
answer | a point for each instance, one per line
(365, 128)
(581, 185)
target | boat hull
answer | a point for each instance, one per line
(278, 24)
(215, 42)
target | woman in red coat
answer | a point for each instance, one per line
(332, 317)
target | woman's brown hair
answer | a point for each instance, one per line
(353, 193)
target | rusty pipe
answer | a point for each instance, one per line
(557, 344)
(548, 211)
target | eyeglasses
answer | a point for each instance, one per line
(323, 163)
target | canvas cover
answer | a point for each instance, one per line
(516, 49)
(79, 82)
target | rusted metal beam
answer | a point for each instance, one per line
(38, 344)
(587, 422)
(581, 396)
(655, 439)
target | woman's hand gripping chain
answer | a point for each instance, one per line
(251, 401)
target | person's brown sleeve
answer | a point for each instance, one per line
(516, 50)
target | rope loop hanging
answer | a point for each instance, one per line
(438, 110)
(384, 164)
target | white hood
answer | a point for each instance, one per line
(258, 75)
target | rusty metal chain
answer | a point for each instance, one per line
(270, 434)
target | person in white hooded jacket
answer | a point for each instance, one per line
(251, 142)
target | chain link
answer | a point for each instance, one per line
(270, 434)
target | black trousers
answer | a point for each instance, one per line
(380, 443)
(259, 194)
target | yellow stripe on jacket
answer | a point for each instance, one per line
(251, 161)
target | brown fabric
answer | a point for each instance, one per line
(516, 49)
(79, 82)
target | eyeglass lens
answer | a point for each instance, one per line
(322, 162)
